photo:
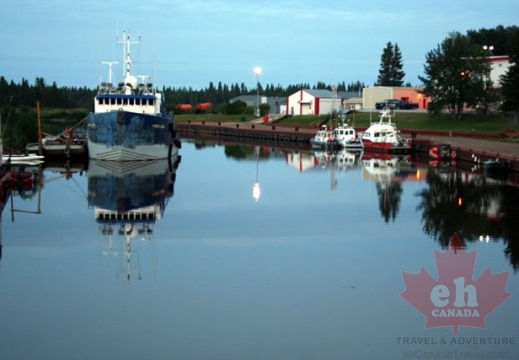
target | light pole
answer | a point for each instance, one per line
(257, 71)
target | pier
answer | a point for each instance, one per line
(470, 148)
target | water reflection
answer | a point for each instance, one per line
(383, 170)
(476, 207)
(337, 161)
(128, 199)
(308, 266)
(451, 201)
(256, 190)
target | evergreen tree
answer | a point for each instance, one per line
(391, 73)
(397, 66)
(510, 89)
(510, 80)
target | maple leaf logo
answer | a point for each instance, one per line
(455, 299)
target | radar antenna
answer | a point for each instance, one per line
(110, 64)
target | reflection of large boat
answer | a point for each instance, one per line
(129, 120)
(129, 198)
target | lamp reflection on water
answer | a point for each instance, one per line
(256, 191)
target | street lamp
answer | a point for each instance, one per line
(257, 71)
(488, 48)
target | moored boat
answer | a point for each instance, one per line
(344, 136)
(322, 138)
(341, 137)
(442, 152)
(57, 147)
(496, 168)
(30, 159)
(384, 136)
(129, 121)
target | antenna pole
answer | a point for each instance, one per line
(110, 64)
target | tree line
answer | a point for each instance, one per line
(24, 94)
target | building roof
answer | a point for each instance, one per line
(320, 93)
(349, 94)
(248, 99)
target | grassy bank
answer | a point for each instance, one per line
(491, 124)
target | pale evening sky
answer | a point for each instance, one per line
(193, 42)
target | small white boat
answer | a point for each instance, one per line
(323, 137)
(341, 137)
(345, 137)
(30, 159)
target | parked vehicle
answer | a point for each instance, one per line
(395, 104)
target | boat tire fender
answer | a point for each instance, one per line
(120, 117)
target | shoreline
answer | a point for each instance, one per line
(301, 135)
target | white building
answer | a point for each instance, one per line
(313, 102)
(498, 66)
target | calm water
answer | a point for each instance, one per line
(314, 265)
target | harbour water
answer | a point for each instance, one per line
(240, 252)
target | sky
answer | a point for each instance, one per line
(191, 43)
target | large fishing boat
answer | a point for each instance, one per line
(129, 121)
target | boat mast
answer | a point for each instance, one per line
(126, 52)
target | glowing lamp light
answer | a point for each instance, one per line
(256, 191)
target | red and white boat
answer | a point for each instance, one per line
(443, 152)
(384, 136)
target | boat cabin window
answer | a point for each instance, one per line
(132, 102)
